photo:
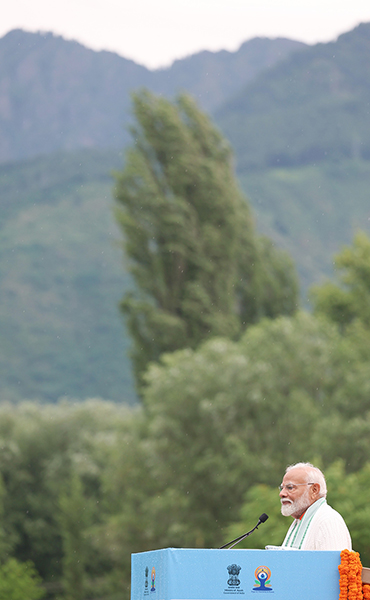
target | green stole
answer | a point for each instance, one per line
(298, 529)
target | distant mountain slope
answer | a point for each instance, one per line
(212, 77)
(61, 279)
(311, 211)
(58, 95)
(314, 106)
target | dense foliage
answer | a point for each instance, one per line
(85, 485)
(348, 302)
(200, 268)
(19, 581)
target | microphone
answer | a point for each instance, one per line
(235, 541)
(263, 518)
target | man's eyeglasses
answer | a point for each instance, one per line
(290, 487)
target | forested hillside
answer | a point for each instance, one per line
(301, 136)
(61, 278)
(311, 211)
(311, 108)
(213, 77)
(58, 95)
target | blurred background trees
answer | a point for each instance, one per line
(85, 485)
(19, 581)
(348, 300)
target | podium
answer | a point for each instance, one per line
(192, 574)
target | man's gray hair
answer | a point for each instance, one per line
(314, 475)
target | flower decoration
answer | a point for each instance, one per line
(366, 591)
(350, 583)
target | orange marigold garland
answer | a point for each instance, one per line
(343, 575)
(366, 591)
(350, 570)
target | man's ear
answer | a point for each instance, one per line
(315, 489)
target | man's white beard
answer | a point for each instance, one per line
(297, 506)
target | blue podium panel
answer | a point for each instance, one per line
(190, 574)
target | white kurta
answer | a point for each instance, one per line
(326, 531)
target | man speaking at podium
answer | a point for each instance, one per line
(316, 525)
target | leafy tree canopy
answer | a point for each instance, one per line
(231, 414)
(349, 300)
(199, 267)
(19, 581)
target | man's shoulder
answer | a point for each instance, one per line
(327, 519)
(328, 531)
(326, 511)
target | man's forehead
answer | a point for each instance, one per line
(297, 475)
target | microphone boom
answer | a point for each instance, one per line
(263, 518)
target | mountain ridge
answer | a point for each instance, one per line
(59, 95)
(313, 106)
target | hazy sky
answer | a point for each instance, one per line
(156, 32)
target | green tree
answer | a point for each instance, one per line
(198, 266)
(349, 300)
(217, 420)
(44, 448)
(73, 518)
(20, 581)
(344, 429)
(260, 395)
(348, 494)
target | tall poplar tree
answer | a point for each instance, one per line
(199, 268)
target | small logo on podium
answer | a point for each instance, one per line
(262, 582)
(152, 587)
(146, 583)
(234, 571)
(233, 581)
